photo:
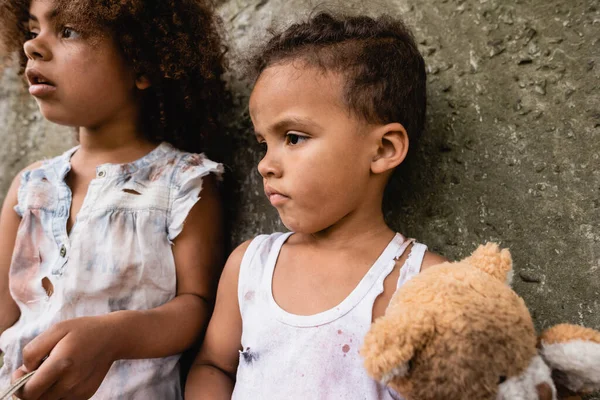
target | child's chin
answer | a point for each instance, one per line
(290, 225)
(299, 227)
(57, 118)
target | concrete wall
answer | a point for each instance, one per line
(511, 153)
(512, 149)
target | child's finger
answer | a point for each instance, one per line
(18, 374)
(58, 391)
(46, 376)
(40, 347)
(17, 382)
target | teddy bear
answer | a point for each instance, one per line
(458, 331)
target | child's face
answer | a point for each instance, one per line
(87, 83)
(316, 170)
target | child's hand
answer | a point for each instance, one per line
(80, 353)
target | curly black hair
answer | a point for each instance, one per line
(176, 44)
(384, 71)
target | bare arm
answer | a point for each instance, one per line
(213, 373)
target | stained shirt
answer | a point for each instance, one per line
(287, 356)
(117, 256)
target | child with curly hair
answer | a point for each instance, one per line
(336, 103)
(110, 252)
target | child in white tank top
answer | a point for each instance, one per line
(336, 102)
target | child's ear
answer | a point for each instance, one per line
(142, 82)
(392, 147)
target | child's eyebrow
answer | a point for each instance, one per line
(286, 123)
(290, 122)
(50, 15)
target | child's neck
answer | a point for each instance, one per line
(115, 143)
(353, 231)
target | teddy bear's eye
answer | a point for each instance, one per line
(502, 379)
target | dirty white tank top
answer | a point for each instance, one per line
(287, 356)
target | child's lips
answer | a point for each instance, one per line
(41, 90)
(275, 197)
(39, 85)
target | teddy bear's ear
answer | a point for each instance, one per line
(392, 342)
(490, 259)
(573, 354)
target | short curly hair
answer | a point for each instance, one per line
(384, 71)
(176, 44)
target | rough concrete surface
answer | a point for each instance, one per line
(512, 149)
(511, 153)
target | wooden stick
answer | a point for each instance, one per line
(8, 393)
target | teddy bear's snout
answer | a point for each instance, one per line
(534, 383)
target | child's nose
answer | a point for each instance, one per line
(37, 49)
(269, 166)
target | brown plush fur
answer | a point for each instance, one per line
(441, 322)
(457, 331)
(492, 260)
(566, 332)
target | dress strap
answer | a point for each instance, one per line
(412, 265)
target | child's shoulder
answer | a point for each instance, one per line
(18, 180)
(22, 177)
(173, 166)
(254, 252)
(31, 167)
(191, 163)
(260, 246)
(430, 259)
(394, 278)
(47, 163)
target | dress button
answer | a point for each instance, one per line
(101, 174)
(63, 251)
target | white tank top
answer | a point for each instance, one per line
(287, 356)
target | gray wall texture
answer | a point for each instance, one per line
(512, 148)
(511, 153)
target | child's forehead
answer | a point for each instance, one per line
(301, 69)
(50, 11)
(297, 83)
(43, 9)
(63, 10)
(86, 17)
(286, 96)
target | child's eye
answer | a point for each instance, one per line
(31, 35)
(294, 138)
(69, 33)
